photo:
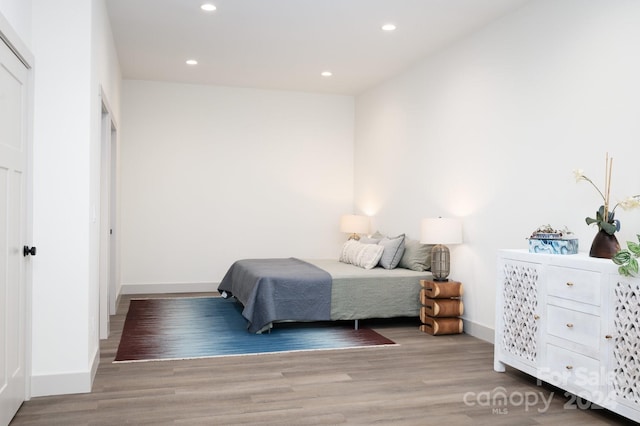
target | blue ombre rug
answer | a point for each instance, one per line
(203, 327)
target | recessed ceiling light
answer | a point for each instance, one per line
(326, 73)
(208, 7)
(388, 27)
(191, 62)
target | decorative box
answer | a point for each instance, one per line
(553, 245)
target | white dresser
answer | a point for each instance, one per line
(572, 321)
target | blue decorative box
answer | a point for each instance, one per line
(553, 245)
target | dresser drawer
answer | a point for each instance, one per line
(574, 284)
(578, 327)
(568, 367)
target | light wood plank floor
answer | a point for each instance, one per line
(425, 380)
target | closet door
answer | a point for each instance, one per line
(13, 162)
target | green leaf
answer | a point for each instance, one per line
(609, 228)
(633, 266)
(623, 271)
(621, 257)
(634, 248)
(590, 220)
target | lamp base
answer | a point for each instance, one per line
(440, 262)
(354, 236)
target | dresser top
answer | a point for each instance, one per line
(580, 260)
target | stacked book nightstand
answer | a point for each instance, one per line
(441, 307)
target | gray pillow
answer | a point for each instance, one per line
(417, 256)
(369, 240)
(393, 250)
(377, 235)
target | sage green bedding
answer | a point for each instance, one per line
(359, 293)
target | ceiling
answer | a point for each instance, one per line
(286, 44)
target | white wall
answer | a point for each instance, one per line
(105, 88)
(61, 44)
(68, 44)
(214, 174)
(106, 67)
(18, 14)
(490, 129)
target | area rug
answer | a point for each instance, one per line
(203, 327)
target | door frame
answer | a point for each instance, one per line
(114, 241)
(108, 247)
(22, 52)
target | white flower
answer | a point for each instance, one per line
(630, 202)
(605, 214)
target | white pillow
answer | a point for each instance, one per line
(365, 256)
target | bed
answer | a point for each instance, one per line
(329, 290)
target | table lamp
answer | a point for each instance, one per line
(441, 231)
(354, 225)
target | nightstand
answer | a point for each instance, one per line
(441, 306)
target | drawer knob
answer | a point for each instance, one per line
(536, 317)
(569, 367)
(569, 325)
(569, 284)
(608, 337)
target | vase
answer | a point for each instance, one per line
(604, 246)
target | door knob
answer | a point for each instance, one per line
(26, 251)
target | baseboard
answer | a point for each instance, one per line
(65, 383)
(477, 330)
(117, 303)
(154, 288)
(95, 363)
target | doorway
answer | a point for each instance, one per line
(109, 265)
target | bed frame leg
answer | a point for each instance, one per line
(355, 325)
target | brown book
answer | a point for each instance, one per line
(442, 307)
(439, 326)
(441, 289)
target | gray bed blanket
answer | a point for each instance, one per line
(279, 289)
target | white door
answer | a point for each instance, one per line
(13, 161)
(106, 223)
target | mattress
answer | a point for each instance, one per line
(359, 293)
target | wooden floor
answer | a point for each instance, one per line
(425, 380)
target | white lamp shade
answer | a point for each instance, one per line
(441, 231)
(354, 224)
